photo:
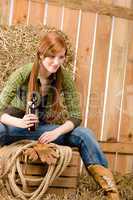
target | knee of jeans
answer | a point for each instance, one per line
(85, 134)
(3, 130)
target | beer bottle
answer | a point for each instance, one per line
(32, 110)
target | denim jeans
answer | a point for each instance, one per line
(80, 137)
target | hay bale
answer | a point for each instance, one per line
(18, 46)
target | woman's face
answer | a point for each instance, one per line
(52, 63)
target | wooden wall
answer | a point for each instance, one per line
(101, 34)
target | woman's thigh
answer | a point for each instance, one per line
(90, 150)
(81, 134)
(9, 134)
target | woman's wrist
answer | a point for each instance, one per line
(64, 128)
(11, 120)
(19, 123)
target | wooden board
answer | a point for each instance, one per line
(54, 16)
(71, 171)
(68, 179)
(124, 164)
(20, 12)
(36, 12)
(126, 128)
(115, 80)
(99, 77)
(61, 191)
(84, 55)
(4, 12)
(71, 17)
(62, 182)
(56, 190)
(119, 147)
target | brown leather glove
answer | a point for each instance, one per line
(31, 153)
(47, 153)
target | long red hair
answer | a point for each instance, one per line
(50, 44)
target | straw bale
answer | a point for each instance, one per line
(18, 45)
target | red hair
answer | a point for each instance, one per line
(51, 44)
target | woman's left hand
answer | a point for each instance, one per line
(48, 137)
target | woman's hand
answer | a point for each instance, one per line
(28, 120)
(48, 137)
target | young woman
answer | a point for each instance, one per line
(48, 80)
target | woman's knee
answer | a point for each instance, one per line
(3, 133)
(3, 129)
(80, 137)
(85, 134)
(89, 148)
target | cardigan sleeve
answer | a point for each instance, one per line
(8, 93)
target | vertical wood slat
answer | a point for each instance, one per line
(36, 12)
(126, 130)
(99, 73)
(54, 16)
(84, 58)
(20, 11)
(118, 58)
(124, 164)
(70, 24)
(4, 12)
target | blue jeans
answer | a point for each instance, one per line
(80, 137)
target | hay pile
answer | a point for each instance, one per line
(18, 45)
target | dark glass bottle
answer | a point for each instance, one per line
(32, 110)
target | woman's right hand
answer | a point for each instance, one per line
(28, 120)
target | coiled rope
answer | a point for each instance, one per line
(11, 164)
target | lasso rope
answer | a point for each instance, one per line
(12, 164)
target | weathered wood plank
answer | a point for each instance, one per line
(115, 80)
(74, 161)
(103, 32)
(30, 169)
(62, 182)
(4, 12)
(61, 191)
(36, 12)
(119, 147)
(126, 128)
(84, 55)
(97, 7)
(54, 16)
(70, 20)
(20, 12)
(68, 182)
(124, 163)
(102, 42)
(56, 190)
(123, 3)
